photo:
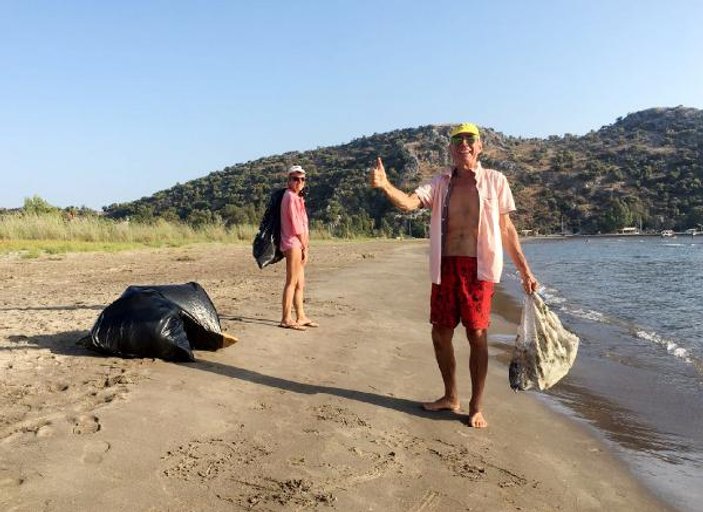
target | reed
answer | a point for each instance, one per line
(32, 232)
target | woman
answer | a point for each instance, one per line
(295, 241)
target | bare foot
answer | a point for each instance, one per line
(443, 404)
(476, 420)
(306, 322)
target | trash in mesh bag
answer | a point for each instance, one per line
(544, 350)
(164, 321)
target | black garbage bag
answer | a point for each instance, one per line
(163, 321)
(265, 247)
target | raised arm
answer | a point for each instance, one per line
(406, 202)
(511, 243)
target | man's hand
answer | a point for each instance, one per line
(399, 198)
(529, 283)
(378, 175)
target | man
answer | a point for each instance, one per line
(469, 226)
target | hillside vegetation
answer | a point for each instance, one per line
(645, 169)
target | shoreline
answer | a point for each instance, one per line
(322, 420)
(635, 394)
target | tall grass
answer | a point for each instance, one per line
(80, 232)
(55, 232)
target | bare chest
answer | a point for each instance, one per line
(463, 207)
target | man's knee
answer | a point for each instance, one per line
(442, 335)
(477, 337)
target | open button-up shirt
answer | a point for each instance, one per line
(495, 199)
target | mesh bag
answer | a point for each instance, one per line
(544, 350)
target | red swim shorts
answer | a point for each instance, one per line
(461, 295)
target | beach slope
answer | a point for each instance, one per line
(326, 419)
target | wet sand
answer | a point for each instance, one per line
(326, 419)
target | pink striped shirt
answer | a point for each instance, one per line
(495, 199)
(294, 221)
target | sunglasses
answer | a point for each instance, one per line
(458, 139)
(297, 178)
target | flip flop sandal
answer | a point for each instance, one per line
(295, 327)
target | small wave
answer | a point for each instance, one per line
(553, 299)
(504, 339)
(673, 245)
(587, 314)
(551, 296)
(671, 347)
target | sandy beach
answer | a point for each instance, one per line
(326, 419)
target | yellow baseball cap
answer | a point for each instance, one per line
(469, 128)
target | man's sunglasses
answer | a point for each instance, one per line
(458, 139)
(298, 178)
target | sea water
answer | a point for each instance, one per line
(637, 305)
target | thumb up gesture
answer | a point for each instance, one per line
(378, 174)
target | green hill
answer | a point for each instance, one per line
(646, 168)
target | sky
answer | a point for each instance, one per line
(104, 102)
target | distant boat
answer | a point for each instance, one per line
(692, 232)
(667, 233)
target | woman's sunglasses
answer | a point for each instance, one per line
(298, 178)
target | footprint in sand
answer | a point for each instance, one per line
(11, 481)
(431, 500)
(45, 430)
(59, 387)
(340, 415)
(85, 424)
(94, 452)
